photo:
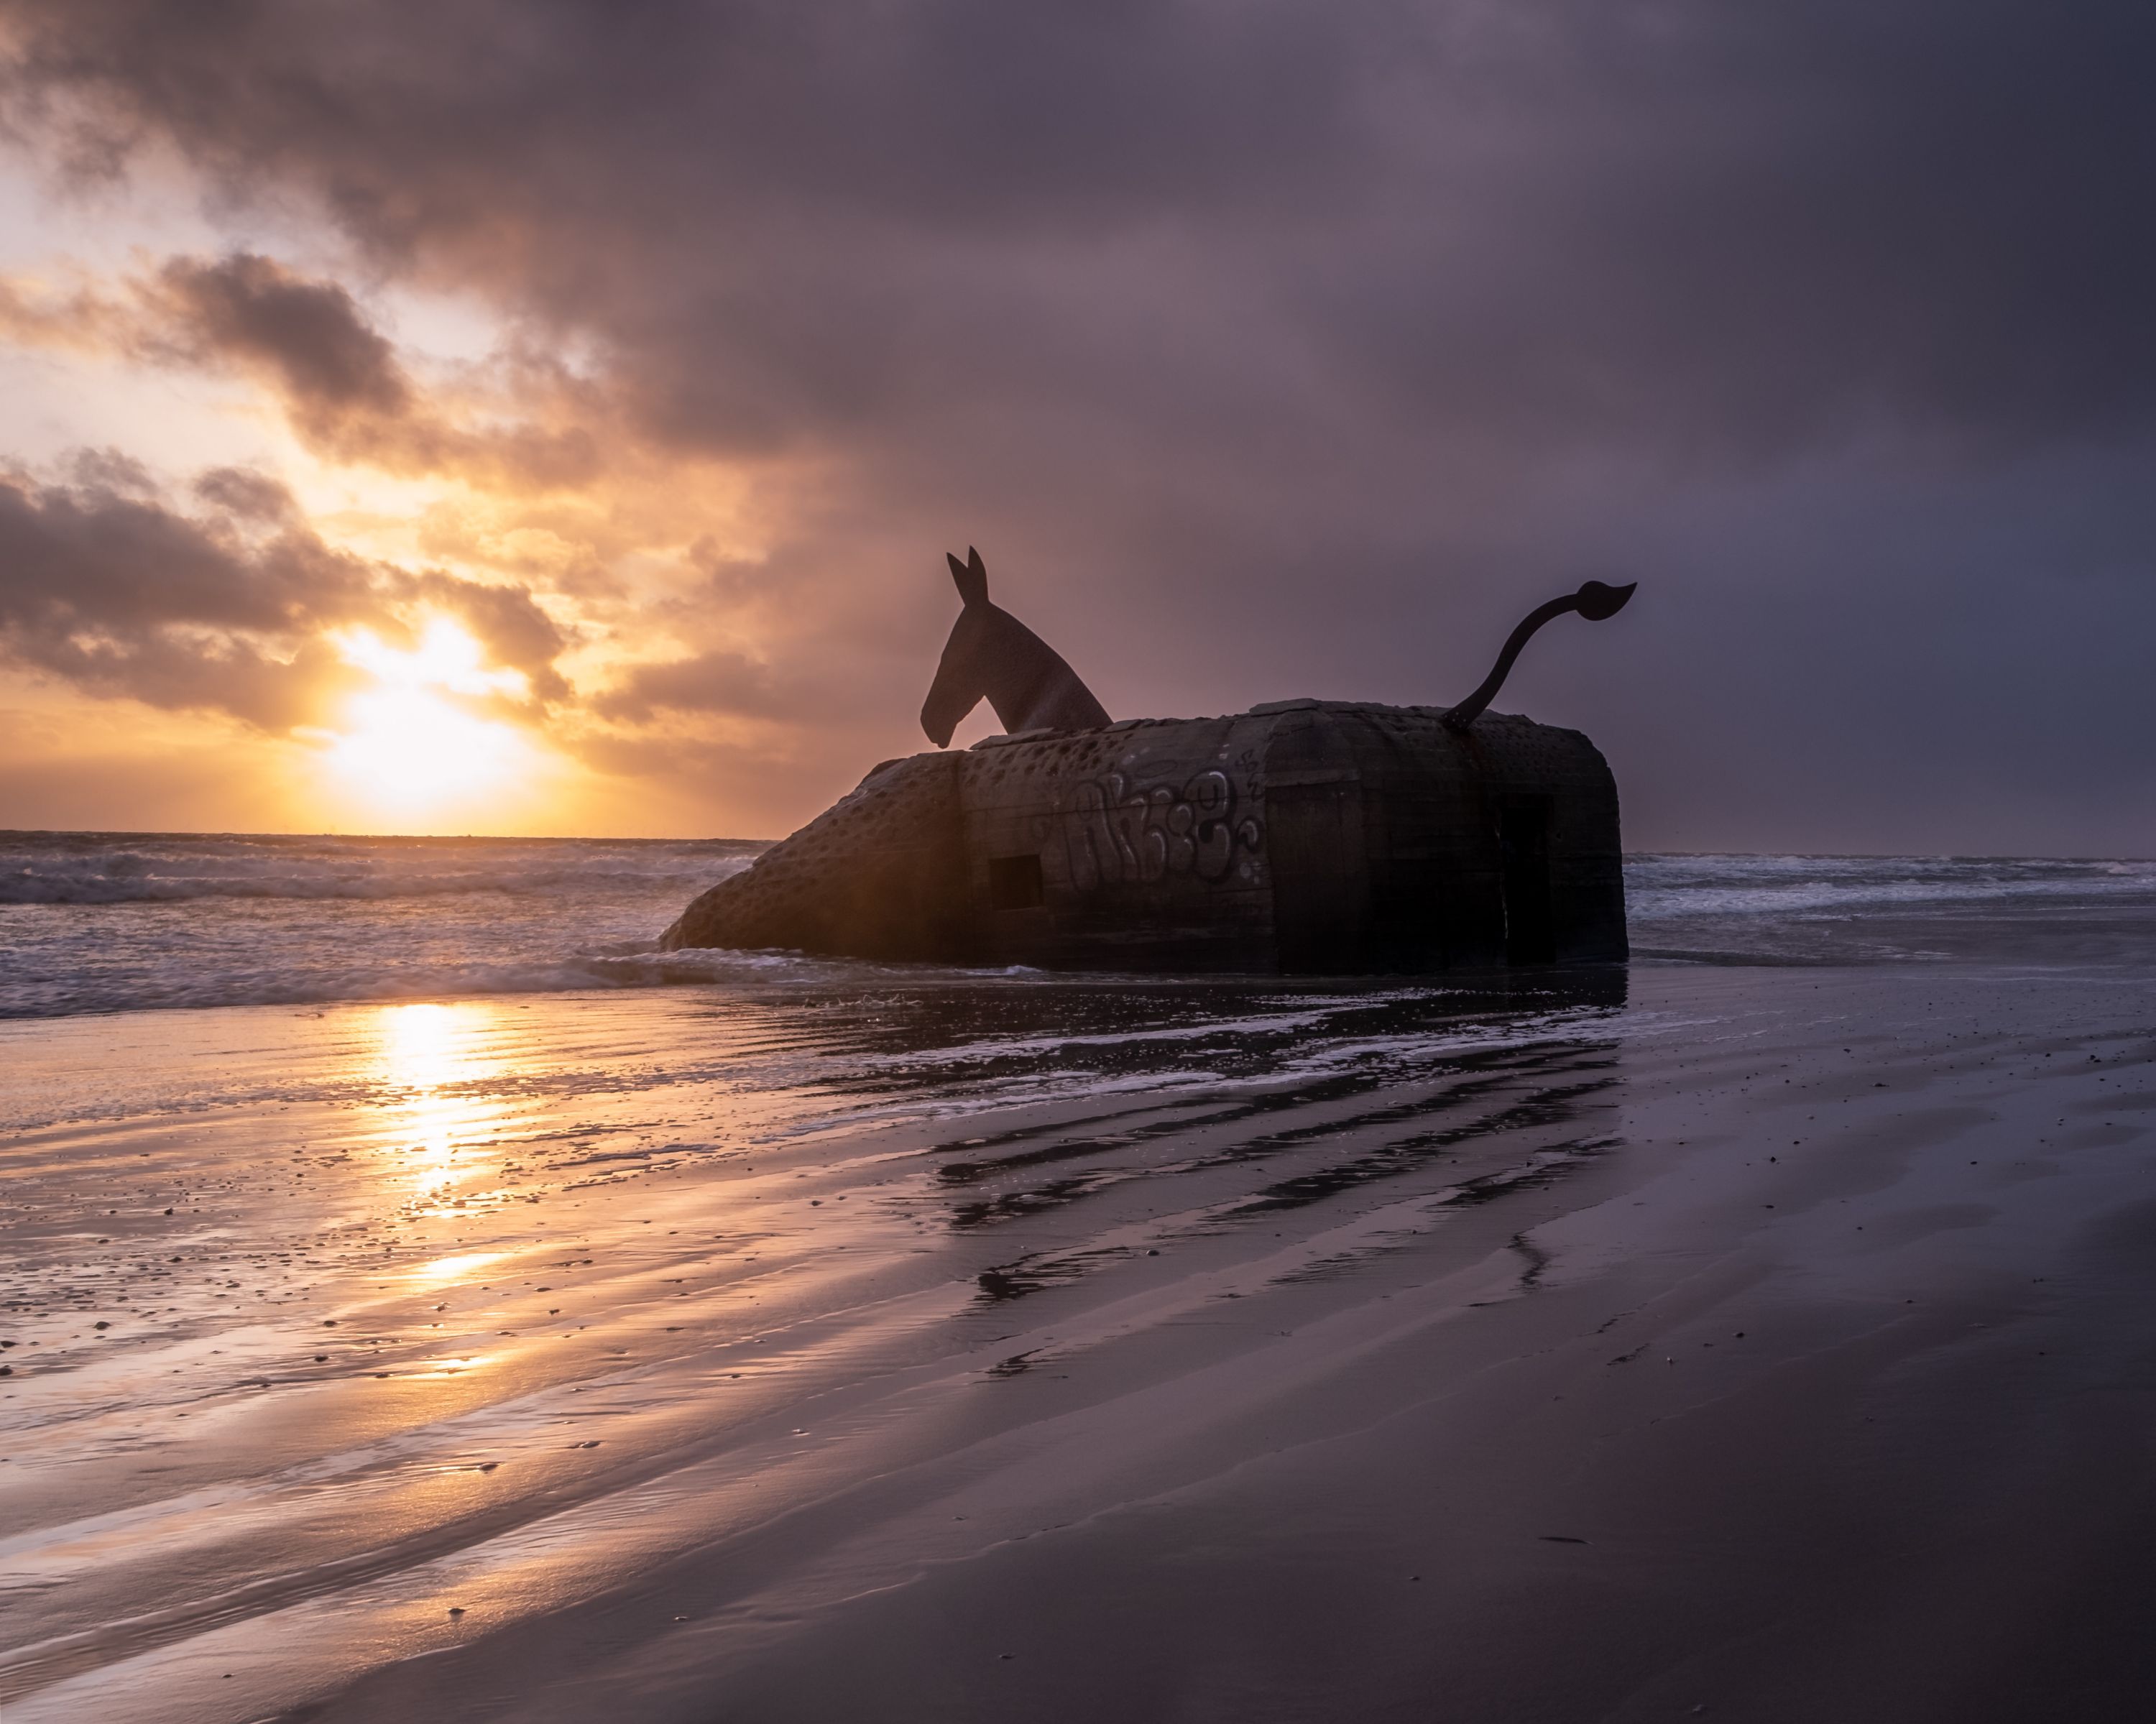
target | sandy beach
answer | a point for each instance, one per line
(1773, 1342)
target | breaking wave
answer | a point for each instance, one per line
(93, 867)
(1829, 910)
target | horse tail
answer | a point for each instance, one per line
(1594, 601)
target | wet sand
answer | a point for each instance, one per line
(1778, 1344)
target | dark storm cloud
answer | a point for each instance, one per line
(326, 358)
(1543, 220)
(1314, 341)
(224, 610)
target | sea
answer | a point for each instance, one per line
(117, 923)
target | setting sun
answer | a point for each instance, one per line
(408, 746)
(446, 657)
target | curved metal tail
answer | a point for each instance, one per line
(1594, 601)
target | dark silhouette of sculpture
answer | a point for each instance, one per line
(1331, 837)
(991, 654)
(1594, 601)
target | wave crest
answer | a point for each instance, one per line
(61, 868)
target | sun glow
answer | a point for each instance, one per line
(446, 657)
(409, 747)
(427, 1054)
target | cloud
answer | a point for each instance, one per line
(122, 596)
(345, 389)
(505, 620)
(231, 608)
(1533, 223)
(325, 358)
(710, 682)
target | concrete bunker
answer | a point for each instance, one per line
(1311, 837)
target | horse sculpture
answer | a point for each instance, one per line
(1328, 836)
(992, 654)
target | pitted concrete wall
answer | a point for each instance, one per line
(879, 874)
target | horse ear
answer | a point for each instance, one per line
(972, 576)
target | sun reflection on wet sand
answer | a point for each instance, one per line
(454, 1367)
(429, 1060)
(452, 1268)
(424, 1046)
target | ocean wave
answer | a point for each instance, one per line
(180, 988)
(31, 887)
(65, 871)
(1754, 888)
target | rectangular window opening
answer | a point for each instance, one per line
(1014, 883)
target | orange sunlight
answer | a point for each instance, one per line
(408, 750)
(426, 1050)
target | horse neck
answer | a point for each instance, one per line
(1014, 667)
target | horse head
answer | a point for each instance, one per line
(993, 656)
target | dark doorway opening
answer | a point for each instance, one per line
(1321, 883)
(1014, 883)
(1530, 922)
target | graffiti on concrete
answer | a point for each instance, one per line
(1114, 834)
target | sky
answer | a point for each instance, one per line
(528, 416)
